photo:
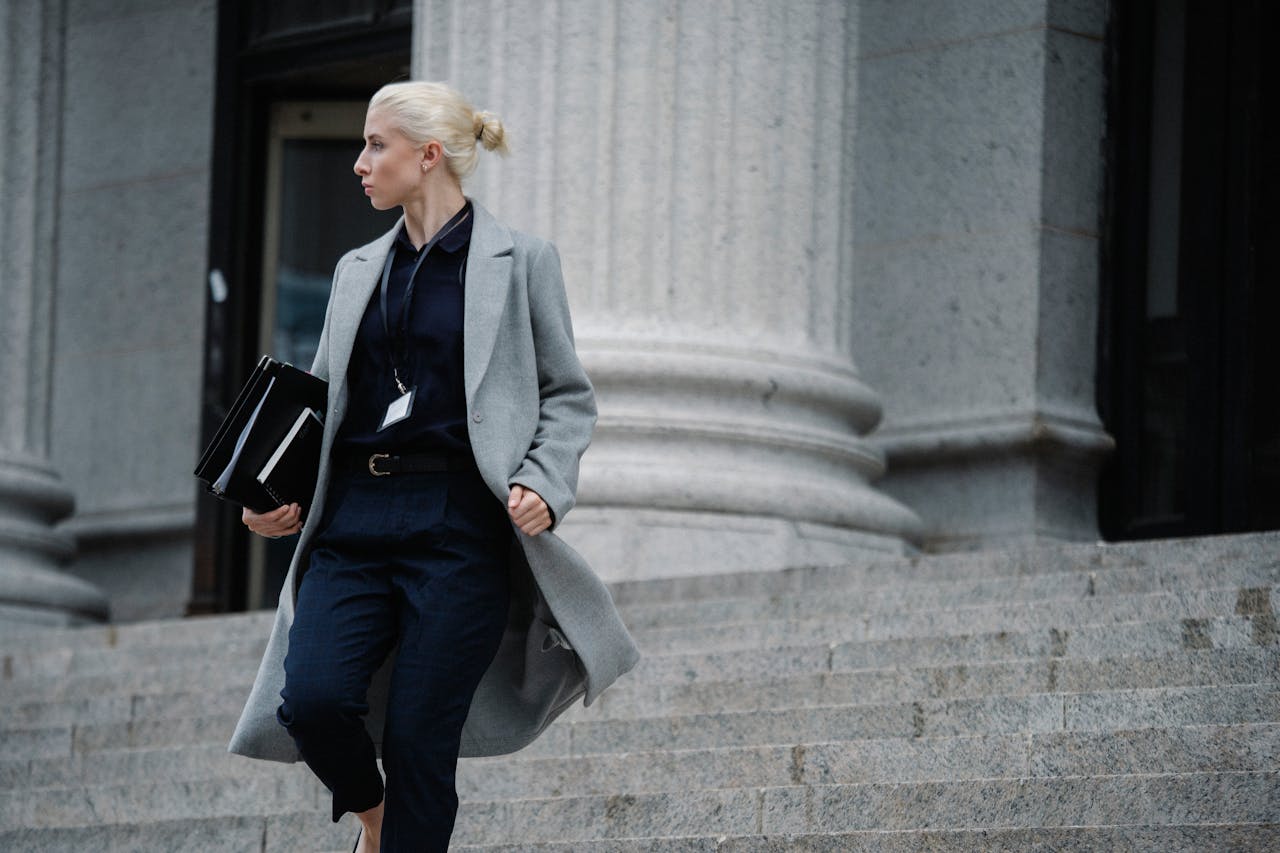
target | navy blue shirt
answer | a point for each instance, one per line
(438, 422)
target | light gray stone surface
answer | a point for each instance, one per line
(1246, 552)
(233, 834)
(33, 497)
(976, 200)
(1082, 721)
(707, 159)
(1124, 839)
(130, 291)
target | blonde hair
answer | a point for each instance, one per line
(425, 111)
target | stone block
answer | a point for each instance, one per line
(784, 810)
(946, 326)
(502, 778)
(229, 834)
(31, 743)
(1087, 801)
(915, 759)
(1194, 604)
(155, 733)
(723, 666)
(1082, 17)
(949, 140)
(88, 709)
(1074, 116)
(143, 577)
(616, 816)
(888, 27)
(124, 121)
(309, 830)
(1253, 747)
(1174, 706)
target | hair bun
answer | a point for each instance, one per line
(489, 131)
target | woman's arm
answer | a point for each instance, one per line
(567, 406)
(287, 520)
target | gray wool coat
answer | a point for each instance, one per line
(531, 410)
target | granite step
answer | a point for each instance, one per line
(1196, 605)
(1247, 747)
(1144, 635)
(928, 595)
(1197, 601)
(1255, 549)
(1070, 697)
(1028, 713)
(310, 832)
(737, 680)
(94, 650)
(1250, 838)
(732, 686)
(1221, 797)
(730, 681)
(1073, 801)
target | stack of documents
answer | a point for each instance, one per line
(267, 452)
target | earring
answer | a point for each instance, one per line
(424, 167)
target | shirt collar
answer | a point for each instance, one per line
(452, 242)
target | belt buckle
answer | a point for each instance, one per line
(373, 460)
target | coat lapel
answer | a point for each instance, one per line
(488, 279)
(350, 299)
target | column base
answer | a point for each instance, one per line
(999, 481)
(33, 590)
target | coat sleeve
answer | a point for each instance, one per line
(566, 401)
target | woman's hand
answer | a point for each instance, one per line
(279, 522)
(528, 510)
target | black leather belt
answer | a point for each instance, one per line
(386, 464)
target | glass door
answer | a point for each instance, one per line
(314, 213)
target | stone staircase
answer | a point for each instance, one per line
(1072, 698)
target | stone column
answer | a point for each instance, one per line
(692, 160)
(32, 497)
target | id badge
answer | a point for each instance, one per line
(399, 409)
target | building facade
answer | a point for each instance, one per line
(850, 277)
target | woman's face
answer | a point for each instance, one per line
(390, 166)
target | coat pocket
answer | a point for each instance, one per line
(553, 637)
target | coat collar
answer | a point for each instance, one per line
(487, 280)
(485, 295)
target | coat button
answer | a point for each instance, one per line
(477, 417)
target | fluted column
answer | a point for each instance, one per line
(32, 497)
(692, 161)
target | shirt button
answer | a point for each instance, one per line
(477, 417)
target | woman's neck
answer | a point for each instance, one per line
(426, 214)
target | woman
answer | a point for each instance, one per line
(427, 592)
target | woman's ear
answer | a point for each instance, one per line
(431, 154)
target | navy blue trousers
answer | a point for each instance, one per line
(417, 561)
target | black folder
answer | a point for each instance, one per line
(266, 453)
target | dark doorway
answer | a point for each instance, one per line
(1189, 345)
(293, 78)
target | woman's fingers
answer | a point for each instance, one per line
(530, 514)
(281, 521)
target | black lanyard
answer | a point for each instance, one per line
(399, 345)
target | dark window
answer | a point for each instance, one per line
(1191, 288)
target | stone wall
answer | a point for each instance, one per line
(131, 258)
(975, 245)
